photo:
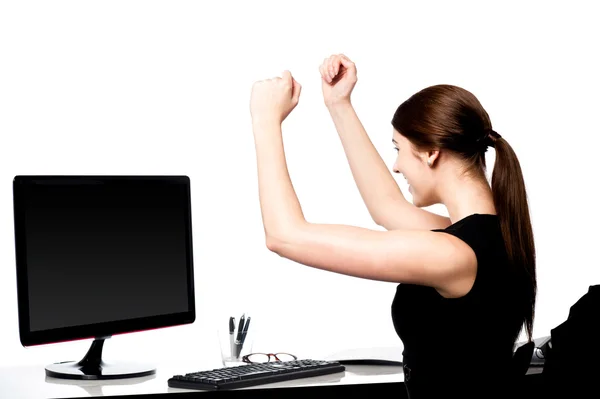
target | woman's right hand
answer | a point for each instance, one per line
(338, 77)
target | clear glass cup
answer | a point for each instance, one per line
(234, 346)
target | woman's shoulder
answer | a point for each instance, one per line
(474, 221)
(478, 230)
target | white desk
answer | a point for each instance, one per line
(30, 382)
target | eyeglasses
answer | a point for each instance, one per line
(266, 357)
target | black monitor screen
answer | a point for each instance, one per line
(98, 255)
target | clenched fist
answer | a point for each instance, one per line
(338, 77)
(272, 100)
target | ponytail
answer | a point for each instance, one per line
(510, 200)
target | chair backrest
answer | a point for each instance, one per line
(572, 361)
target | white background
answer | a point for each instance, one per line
(149, 87)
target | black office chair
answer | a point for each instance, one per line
(572, 363)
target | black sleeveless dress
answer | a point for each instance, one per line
(462, 347)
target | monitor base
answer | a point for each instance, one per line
(91, 367)
(74, 371)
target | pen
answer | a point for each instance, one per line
(238, 339)
(231, 330)
(245, 331)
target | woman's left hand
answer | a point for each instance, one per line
(272, 100)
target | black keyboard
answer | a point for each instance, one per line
(254, 374)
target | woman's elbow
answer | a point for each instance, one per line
(271, 243)
(281, 241)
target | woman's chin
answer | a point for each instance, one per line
(417, 200)
(414, 199)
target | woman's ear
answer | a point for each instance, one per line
(431, 157)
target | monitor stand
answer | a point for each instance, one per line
(91, 367)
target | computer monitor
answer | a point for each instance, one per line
(98, 256)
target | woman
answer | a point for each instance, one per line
(467, 282)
